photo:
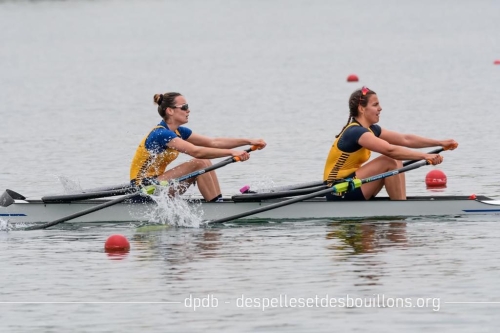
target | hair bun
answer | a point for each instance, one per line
(160, 99)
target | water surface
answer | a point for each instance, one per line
(76, 85)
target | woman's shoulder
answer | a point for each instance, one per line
(355, 129)
(183, 128)
(184, 132)
(352, 133)
(376, 129)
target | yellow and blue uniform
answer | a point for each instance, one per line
(346, 156)
(153, 155)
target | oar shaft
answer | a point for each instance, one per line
(131, 195)
(435, 151)
(269, 207)
(83, 212)
(107, 188)
(319, 183)
(296, 186)
(210, 168)
(342, 187)
(121, 191)
(415, 165)
(103, 192)
(86, 196)
(275, 195)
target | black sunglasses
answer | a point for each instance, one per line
(183, 107)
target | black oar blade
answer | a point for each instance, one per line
(8, 198)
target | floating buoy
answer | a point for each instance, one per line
(352, 78)
(435, 178)
(117, 243)
(496, 62)
(472, 197)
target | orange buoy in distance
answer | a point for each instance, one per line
(496, 62)
(117, 243)
(435, 178)
(352, 78)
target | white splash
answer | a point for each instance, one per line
(70, 186)
(262, 184)
(175, 211)
(5, 225)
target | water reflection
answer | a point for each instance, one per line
(117, 255)
(359, 242)
(177, 246)
(360, 237)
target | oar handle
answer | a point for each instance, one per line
(450, 147)
(237, 158)
(150, 189)
(435, 151)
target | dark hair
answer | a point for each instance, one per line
(165, 101)
(357, 98)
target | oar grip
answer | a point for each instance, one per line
(254, 147)
(451, 147)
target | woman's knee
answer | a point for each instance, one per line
(391, 163)
(201, 163)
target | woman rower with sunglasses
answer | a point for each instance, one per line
(359, 137)
(164, 142)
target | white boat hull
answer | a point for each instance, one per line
(36, 211)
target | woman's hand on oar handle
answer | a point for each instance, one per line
(434, 159)
(449, 144)
(243, 155)
(258, 144)
(240, 155)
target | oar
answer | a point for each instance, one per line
(145, 190)
(108, 188)
(319, 183)
(338, 188)
(85, 196)
(275, 195)
(435, 151)
(296, 186)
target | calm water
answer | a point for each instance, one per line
(76, 85)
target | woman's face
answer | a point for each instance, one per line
(372, 110)
(180, 114)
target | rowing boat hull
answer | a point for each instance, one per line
(36, 211)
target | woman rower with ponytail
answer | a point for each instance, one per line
(359, 137)
(163, 143)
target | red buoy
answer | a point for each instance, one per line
(435, 178)
(117, 243)
(352, 78)
(496, 62)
